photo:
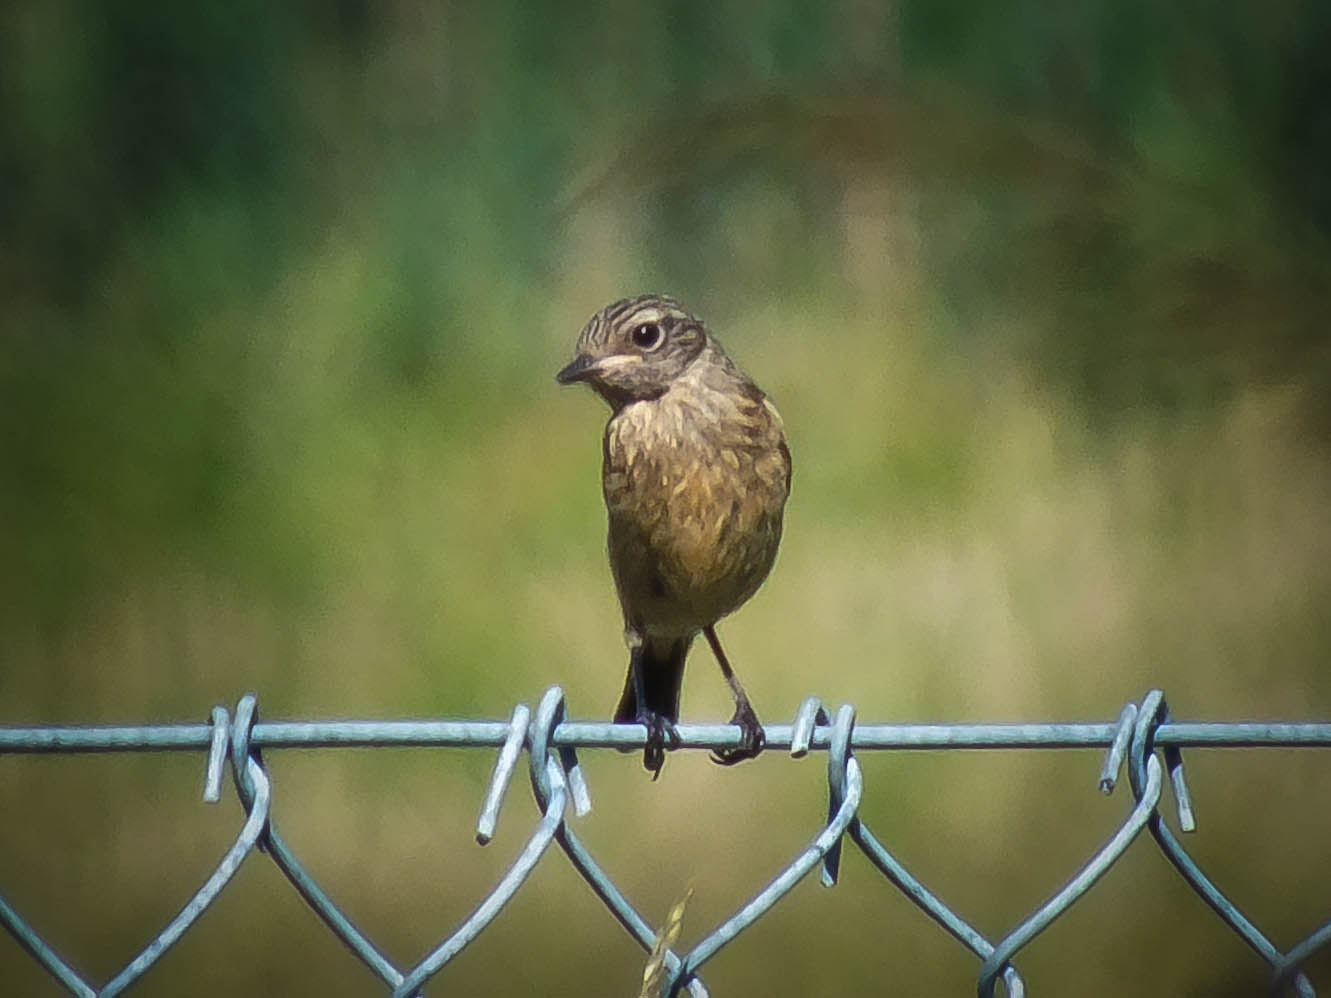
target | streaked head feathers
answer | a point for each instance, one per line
(635, 348)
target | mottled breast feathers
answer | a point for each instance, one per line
(695, 481)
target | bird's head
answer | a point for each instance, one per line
(634, 349)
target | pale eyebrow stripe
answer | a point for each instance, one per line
(650, 313)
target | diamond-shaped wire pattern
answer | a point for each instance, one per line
(1142, 736)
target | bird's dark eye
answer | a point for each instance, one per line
(647, 336)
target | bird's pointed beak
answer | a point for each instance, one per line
(582, 368)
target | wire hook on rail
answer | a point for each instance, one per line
(1144, 740)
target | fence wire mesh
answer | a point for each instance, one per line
(1144, 740)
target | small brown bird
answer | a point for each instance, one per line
(696, 473)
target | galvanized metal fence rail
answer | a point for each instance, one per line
(1141, 737)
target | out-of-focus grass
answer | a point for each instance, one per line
(1058, 428)
(961, 544)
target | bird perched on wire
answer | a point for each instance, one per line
(696, 473)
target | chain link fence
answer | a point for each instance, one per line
(1144, 740)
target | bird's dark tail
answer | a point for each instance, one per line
(662, 669)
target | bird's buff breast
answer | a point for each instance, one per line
(694, 486)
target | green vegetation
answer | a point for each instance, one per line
(1041, 295)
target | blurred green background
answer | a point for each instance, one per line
(1041, 292)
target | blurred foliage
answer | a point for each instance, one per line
(1040, 291)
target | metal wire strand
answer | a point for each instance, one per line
(1138, 739)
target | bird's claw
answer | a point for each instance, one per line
(661, 735)
(752, 738)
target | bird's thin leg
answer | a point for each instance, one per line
(661, 733)
(752, 737)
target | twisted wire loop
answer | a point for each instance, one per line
(846, 788)
(811, 714)
(548, 715)
(1137, 742)
(242, 753)
(505, 764)
(503, 891)
(1118, 748)
(406, 983)
(256, 819)
(1153, 714)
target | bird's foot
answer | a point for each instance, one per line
(661, 735)
(751, 737)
